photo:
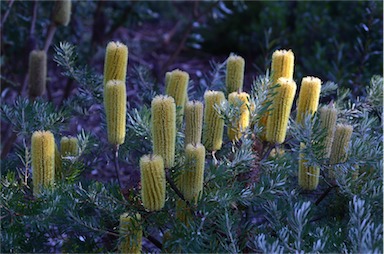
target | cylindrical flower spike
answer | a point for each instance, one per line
(115, 102)
(164, 128)
(308, 97)
(177, 88)
(37, 72)
(167, 79)
(328, 117)
(280, 110)
(61, 13)
(116, 59)
(131, 233)
(235, 74)
(343, 134)
(190, 181)
(69, 146)
(193, 122)
(240, 100)
(308, 175)
(282, 65)
(213, 126)
(152, 182)
(43, 159)
(58, 164)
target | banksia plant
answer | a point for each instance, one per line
(235, 74)
(328, 117)
(69, 146)
(37, 72)
(58, 164)
(164, 128)
(343, 134)
(280, 110)
(61, 13)
(131, 234)
(116, 60)
(190, 181)
(177, 86)
(241, 123)
(43, 160)
(152, 182)
(213, 126)
(115, 102)
(282, 65)
(193, 122)
(308, 98)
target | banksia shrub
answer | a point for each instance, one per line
(328, 117)
(164, 128)
(61, 13)
(116, 60)
(235, 74)
(282, 65)
(213, 126)
(131, 234)
(343, 134)
(193, 122)
(152, 182)
(43, 159)
(177, 86)
(69, 146)
(240, 100)
(308, 97)
(190, 181)
(37, 72)
(115, 102)
(280, 110)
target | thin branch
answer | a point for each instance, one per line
(266, 154)
(51, 33)
(6, 14)
(154, 241)
(326, 192)
(174, 187)
(117, 168)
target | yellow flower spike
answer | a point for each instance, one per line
(235, 74)
(308, 175)
(282, 65)
(116, 60)
(213, 125)
(37, 72)
(69, 146)
(308, 97)
(280, 110)
(190, 181)
(167, 79)
(58, 165)
(343, 134)
(131, 233)
(328, 117)
(177, 88)
(115, 102)
(61, 13)
(43, 159)
(193, 122)
(152, 182)
(241, 124)
(164, 128)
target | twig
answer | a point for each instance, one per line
(214, 157)
(155, 241)
(174, 187)
(324, 194)
(266, 154)
(117, 168)
(51, 33)
(6, 13)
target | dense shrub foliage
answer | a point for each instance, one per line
(246, 194)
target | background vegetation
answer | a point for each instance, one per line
(335, 41)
